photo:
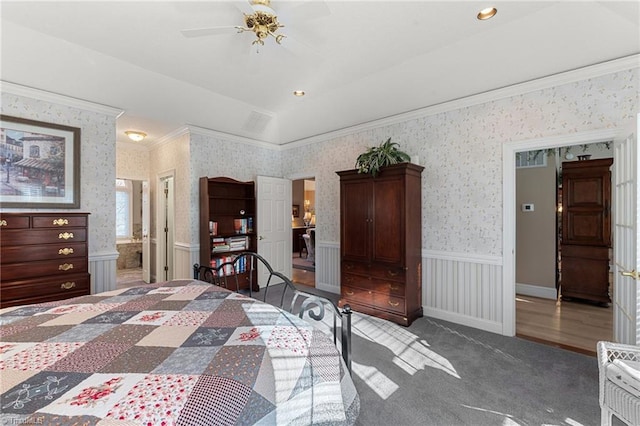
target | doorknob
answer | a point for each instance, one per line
(260, 238)
(633, 274)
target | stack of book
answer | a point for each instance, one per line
(240, 265)
(219, 245)
(238, 243)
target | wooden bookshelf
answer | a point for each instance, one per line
(227, 223)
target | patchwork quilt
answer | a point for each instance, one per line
(181, 352)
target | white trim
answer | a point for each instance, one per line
(30, 92)
(232, 138)
(509, 150)
(463, 257)
(536, 291)
(169, 137)
(567, 77)
(491, 326)
(104, 255)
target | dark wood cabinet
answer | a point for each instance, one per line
(227, 223)
(381, 242)
(43, 257)
(297, 242)
(586, 229)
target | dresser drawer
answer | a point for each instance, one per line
(13, 254)
(382, 286)
(356, 294)
(376, 270)
(38, 290)
(13, 222)
(13, 237)
(59, 221)
(53, 268)
(389, 303)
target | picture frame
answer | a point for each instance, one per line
(295, 210)
(39, 164)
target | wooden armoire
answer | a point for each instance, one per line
(381, 242)
(586, 230)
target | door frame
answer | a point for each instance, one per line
(163, 215)
(509, 150)
(309, 176)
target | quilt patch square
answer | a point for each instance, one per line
(90, 357)
(252, 335)
(182, 360)
(39, 356)
(168, 336)
(34, 334)
(151, 318)
(126, 334)
(239, 363)
(205, 336)
(212, 292)
(82, 333)
(137, 359)
(94, 396)
(111, 317)
(38, 391)
(215, 398)
(155, 400)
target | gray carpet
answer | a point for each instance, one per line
(439, 373)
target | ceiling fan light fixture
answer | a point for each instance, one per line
(487, 13)
(135, 135)
(263, 22)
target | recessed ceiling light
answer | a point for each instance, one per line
(135, 136)
(487, 13)
(298, 92)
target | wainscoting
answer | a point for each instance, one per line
(102, 267)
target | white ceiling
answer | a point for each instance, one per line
(358, 61)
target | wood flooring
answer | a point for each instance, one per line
(571, 325)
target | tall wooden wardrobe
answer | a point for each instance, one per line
(586, 229)
(381, 242)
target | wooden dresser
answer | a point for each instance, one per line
(381, 242)
(43, 257)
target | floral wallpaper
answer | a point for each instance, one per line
(214, 156)
(128, 164)
(462, 154)
(97, 165)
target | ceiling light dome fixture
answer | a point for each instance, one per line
(263, 22)
(135, 135)
(298, 92)
(487, 13)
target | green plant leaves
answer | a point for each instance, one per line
(374, 158)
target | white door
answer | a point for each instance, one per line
(626, 296)
(164, 230)
(274, 224)
(146, 242)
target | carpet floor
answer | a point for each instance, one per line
(443, 374)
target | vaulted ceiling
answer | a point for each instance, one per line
(357, 61)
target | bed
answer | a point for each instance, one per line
(182, 352)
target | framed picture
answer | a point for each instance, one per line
(295, 210)
(39, 164)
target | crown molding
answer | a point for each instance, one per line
(567, 77)
(233, 138)
(42, 95)
(169, 137)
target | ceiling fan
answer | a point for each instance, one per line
(261, 19)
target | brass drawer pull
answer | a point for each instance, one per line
(392, 273)
(68, 285)
(65, 267)
(393, 304)
(393, 287)
(348, 293)
(3, 222)
(60, 222)
(65, 235)
(348, 279)
(348, 266)
(65, 251)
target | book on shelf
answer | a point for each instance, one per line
(213, 227)
(243, 226)
(230, 269)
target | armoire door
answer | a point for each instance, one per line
(356, 216)
(586, 229)
(388, 221)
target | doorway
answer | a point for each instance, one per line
(131, 226)
(303, 232)
(541, 313)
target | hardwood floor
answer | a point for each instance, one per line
(570, 325)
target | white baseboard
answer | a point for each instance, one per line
(328, 287)
(486, 325)
(536, 291)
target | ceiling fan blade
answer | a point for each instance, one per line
(201, 32)
(244, 6)
(308, 10)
